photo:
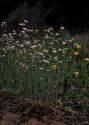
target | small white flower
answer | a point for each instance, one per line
(45, 61)
(21, 24)
(62, 28)
(25, 35)
(17, 41)
(21, 45)
(45, 51)
(31, 30)
(47, 37)
(33, 46)
(22, 31)
(24, 28)
(54, 50)
(27, 42)
(60, 49)
(57, 34)
(25, 21)
(70, 40)
(55, 58)
(63, 43)
(12, 47)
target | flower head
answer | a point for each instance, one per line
(76, 53)
(54, 67)
(62, 28)
(86, 59)
(77, 46)
(76, 73)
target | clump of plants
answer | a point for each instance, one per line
(49, 66)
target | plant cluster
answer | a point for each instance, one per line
(45, 65)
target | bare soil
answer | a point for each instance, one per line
(16, 110)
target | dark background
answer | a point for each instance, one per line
(72, 14)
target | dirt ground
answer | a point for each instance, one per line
(16, 110)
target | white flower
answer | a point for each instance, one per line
(24, 28)
(25, 35)
(22, 31)
(12, 47)
(47, 37)
(57, 34)
(27, 42)
(31, 30)
(21, 45)
(55, 58)
(45, 61)
(33, 46)
(25, 21)
(54, 50)
(45, 51)
(21, 24)
(17, 41)
(63, 43)
(62, 28)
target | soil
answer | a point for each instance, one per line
(15, 110)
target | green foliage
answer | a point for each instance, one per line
(47, 67)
